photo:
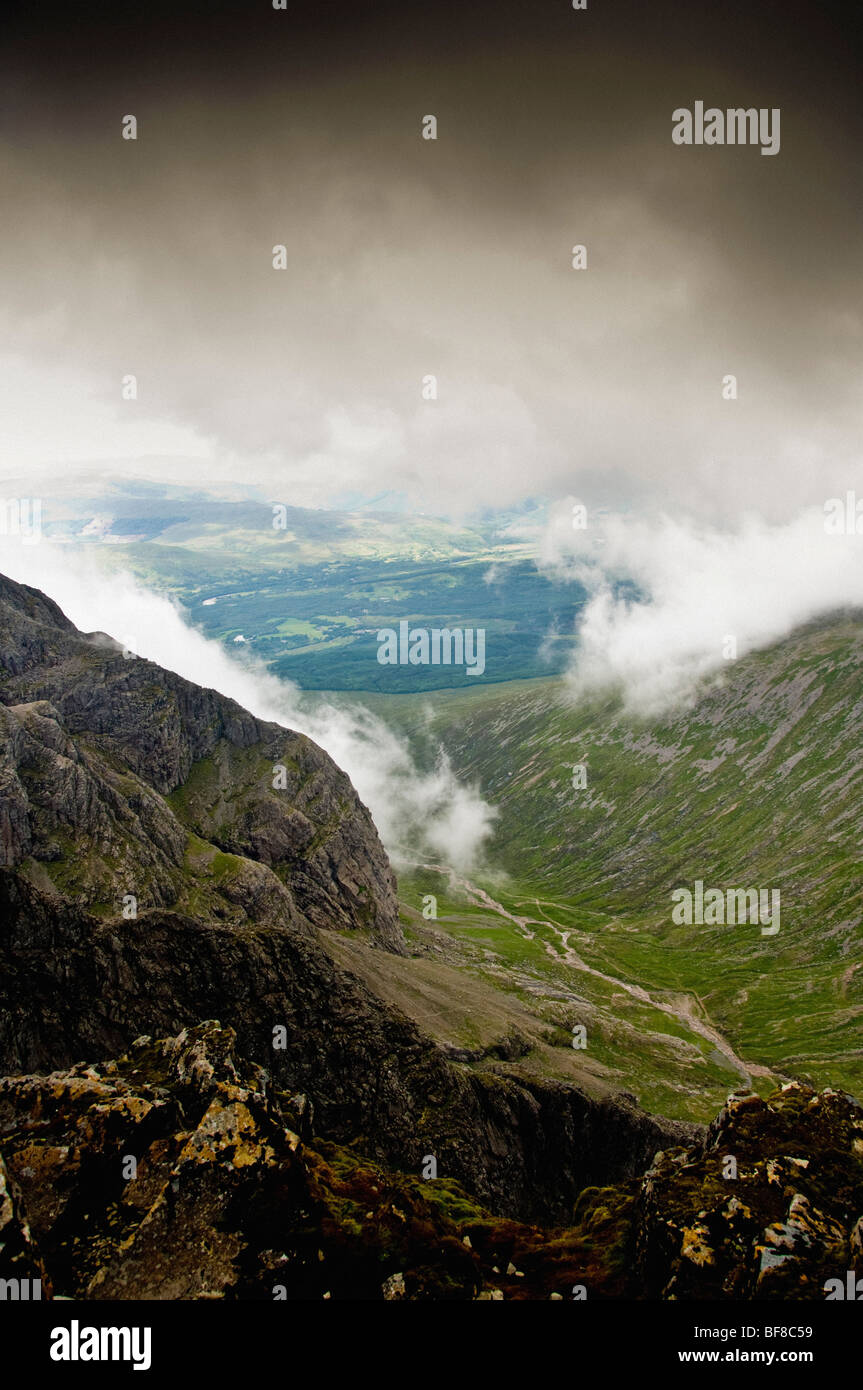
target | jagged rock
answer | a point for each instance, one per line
(510, 1047)
(789, 1248)
(19, 1256)
(141, 780)
(783, 1227)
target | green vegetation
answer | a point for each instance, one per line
(757, 785)
(309, 596)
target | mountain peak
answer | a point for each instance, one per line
(122, 779)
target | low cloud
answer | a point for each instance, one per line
(416, 812)
(694, 588)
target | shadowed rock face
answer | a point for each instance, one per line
(191, 1175)
(118, 779)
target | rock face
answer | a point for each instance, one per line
(119, 778)
(785, 1224)
(192, 1178)
(180, 1171)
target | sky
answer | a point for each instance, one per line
(408, 259)
(451, 257)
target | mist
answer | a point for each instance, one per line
(416, 813)
(702, 593)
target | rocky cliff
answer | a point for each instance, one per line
(119, 778)
(768, 1205)
(167, 859)
(180, 1171)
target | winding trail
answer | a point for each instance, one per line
(684, 1010)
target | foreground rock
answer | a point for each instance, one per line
(770, 1206)
(178, 1171)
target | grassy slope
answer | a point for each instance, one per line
(758, 785)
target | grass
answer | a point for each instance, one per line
(757, 785)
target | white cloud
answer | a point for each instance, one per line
(415, 812)
(698, 585)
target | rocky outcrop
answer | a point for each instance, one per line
(769, 1206)
(178, 1171)
(112, 770)
(19, 1258)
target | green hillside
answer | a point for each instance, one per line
(757, 785)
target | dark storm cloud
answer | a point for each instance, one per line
(409, 257)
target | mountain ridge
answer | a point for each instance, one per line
(232, 932)
(757, 782)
